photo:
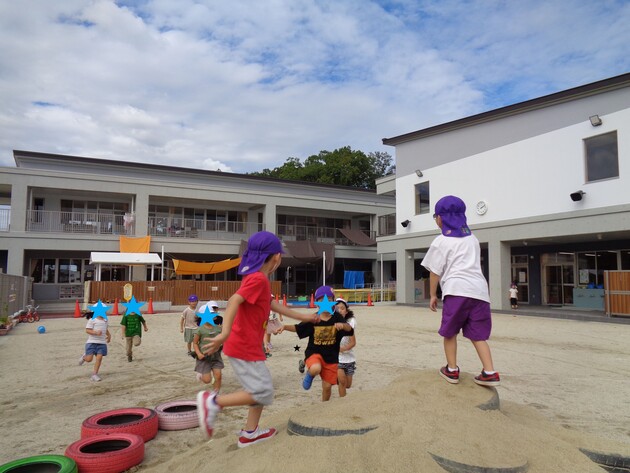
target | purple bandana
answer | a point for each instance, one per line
(452, 210)
(259, 246)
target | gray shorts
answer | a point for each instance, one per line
(189, 334)
(348, 368)
(255, 378)
(208, 364)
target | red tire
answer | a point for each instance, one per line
(107, 453)
(177, 415)
(134, 420)
(36, 317)
(30, 319)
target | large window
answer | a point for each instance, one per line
(601, 157)
(422, 198)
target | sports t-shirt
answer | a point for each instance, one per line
(97, 323)
(323, 338)
(132, 323)
(248, 329)
(207, 332)
(458, 263)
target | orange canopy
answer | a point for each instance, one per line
(189, 267)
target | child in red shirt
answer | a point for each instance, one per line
(244, 324)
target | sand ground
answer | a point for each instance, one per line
(565, 384)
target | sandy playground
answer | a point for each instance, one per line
(565, 386)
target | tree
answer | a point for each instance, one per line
(343, 166)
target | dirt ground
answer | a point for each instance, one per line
(565, 385)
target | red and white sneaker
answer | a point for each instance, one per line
(450, 376)
(485, 379)
(207, 411)
(246, 439)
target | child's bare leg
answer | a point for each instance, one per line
(483, 351)
(97, 363)
(242, 398)
(315, 369)
(217, 379)
(348, 381)
(88, 358)
(450, 350)
(326, 390)
(206, 378)
(341, 382)
(189, 346)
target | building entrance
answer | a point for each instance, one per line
(559, 284)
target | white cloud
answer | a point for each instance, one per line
(243, 85)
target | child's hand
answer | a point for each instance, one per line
(213, 345)
(433, 305)
(314, 318)
(279, 331)
(146, 329)
(339, 326)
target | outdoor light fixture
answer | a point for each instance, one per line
(595, 121)
(577, 196)
(419, 173)
(405, 223)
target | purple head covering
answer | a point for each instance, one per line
(324, 291)
(259, 246)
(452, 210)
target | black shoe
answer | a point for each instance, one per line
(301, 366)
(129, 358)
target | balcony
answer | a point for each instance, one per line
(102, 223)
(317, 234)
(202, 229)
(5, 219)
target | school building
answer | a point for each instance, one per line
(57, 212)
(547, 188)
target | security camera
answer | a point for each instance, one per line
(405, 223)
(577, 196)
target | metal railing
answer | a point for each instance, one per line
(5, 220)
(203, 229)
(51, 221)
(316, 234)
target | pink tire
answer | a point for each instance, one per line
(133, 420)
(177, 415)
(107, 453)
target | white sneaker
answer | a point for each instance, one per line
(246, 439)
(207, 411)
(95, 377)
(81, 360)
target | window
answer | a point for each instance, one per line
(422, 198)
(601, 157)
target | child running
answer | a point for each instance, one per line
(324, 339)
(454, 261)
(96, 345)
(188, 323)
(347, 360)
(131, 331)
(244, 323)
(208, 367)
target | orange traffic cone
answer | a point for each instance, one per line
(115, 311)
(277, 297)
(311, 304)
(150, 309)
(370, 303)
(284, 300)
(77, 310)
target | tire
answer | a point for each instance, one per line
(41, 464)
(611, 462)
(134, 420)
(36, 317)
(177, 415)
(107, 453)
(455, 467)
(295, 428)
(30, 319)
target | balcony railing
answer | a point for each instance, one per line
(317, 234)
(51, 221)
(203, 229)
(5, 219)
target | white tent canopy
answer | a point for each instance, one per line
(131, 259)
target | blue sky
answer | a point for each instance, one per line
(243, 85)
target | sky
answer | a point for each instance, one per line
(242, 85)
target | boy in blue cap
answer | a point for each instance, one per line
(244, 324)
(454, 261)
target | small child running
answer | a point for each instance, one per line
(208, 366)
(188, 323)
(347, 359)
(96, 345)
(131, 332)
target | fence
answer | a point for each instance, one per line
(15, 293)
(176, 292)
(617, 293)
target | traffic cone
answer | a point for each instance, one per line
(311, 305)
(150, 309)
(277, 297)
(370, 303)
(284, 300)
(77, 310)
(115, 311)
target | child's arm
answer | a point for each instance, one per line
(434, 280)
(144, 324)
(181, 324)
(288, 328)
(346, 327)
(195, 344)
(228, 319)
(282, 310)
(108, 336)
(350, 345)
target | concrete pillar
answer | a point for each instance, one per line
(405, 293)
(142, 214)
(270, 218)
(19, 206)
(499, 273)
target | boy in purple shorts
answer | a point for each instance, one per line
(454, 261)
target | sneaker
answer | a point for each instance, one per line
(95, 378)
(485, 379)
(450, 376)
(207, 411)
(129, 358)
(308, 381)
(81, 360)
(246, 439)
(301, 366)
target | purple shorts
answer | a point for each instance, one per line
(472, 316)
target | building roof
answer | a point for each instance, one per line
(593, 88)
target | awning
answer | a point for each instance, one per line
(358, 237)
(135, 244)
(125, 258)
(190, 267)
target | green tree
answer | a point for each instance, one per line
(343, 166)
